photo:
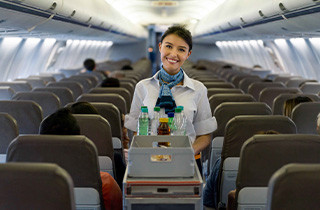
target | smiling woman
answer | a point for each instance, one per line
(171, 87)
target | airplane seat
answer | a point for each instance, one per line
(33, 82)
(304, 115)
(255, 88)
(217, 99)
(64, 94)
(208, 79)
(6, 93)
(28, 114)
(268, 94)
(70, 72)
(9, 131)
(111, 113)
(284, 192)
(225, 112)
(230, 75)
(237, 79)
(279, 101)
(262, 73)
(49, 102)
(115, 99)
(262, 155)
(218, 85)
(285, 78)
(46, 78)
(296, 82)
(310, 87)
(74, 153)
(35, 186)
(85, 82)
(75, 87)
(246, 82)
(237, 131)
(93, 78)
(213, 91)
(117, 90)
(57, 76)
(129, 86)
(126, 79)
(96, 74)
(17, 85)
(98, 130)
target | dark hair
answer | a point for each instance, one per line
(180, 31)
(126, 67)
(89, 64)
(291, 103)
(110, 82)
(268, 132)
(60, 123)
(83, 108)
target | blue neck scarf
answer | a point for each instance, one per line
(165, 99)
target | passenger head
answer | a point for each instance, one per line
(60, 123)
(126, 67)
(175, 48)
(89, 64)
(291, 103)
(201, 68)
(257, 66)
(110, 82)
(268, 132)
(83, 108)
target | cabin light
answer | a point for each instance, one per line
(194, 21)
(12, 40)
(315, 41)
(218, 43)
(69, 42)
(297, 40)
(260, 42)
(239, 42)
(50, 41)
(33, 40)
(253, 42)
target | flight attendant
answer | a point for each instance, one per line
(171, 87)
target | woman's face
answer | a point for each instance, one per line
(174, 51)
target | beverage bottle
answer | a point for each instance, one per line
(155, 121)
(143, 123)
(171, 123)
(164, 128)
(180, 122)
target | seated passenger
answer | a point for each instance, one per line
(90, 66)
(63, 123)
(126, 67)
(87, 108)
(110, 82)
(291, 103)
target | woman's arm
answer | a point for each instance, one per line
(201, 143)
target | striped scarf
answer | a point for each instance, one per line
(165, 99)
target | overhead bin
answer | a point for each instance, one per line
(52, 5)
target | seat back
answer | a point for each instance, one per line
(217, 99)
(93, 78)
(75, 154)
(6, 93)
(115, 99)
(9, 131)
(49, 102)
(267, 95)
(238, 78)
(117, 90)
(213, 91)
(33, 82)
(97, 74)
(246, 82)
(57, 76)
(255, 88)
(304, 115)
(46, 78)
(310, 87)
(75, 87)
(280, 100)
(17, 85)
(296, 82)
(35, 186)
(218, 85)
(64, 94)
(285, 192)
(28, 115)
(85, 82)
(262, 155)
(129, 86)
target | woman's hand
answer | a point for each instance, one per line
(201, 143)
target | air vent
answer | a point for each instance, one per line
(244, 22)
(283, 28)
(73, 13)
(282, 7)
(53, 6)
(261, 14)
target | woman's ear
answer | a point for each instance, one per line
(160, 46)
(189, 53)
